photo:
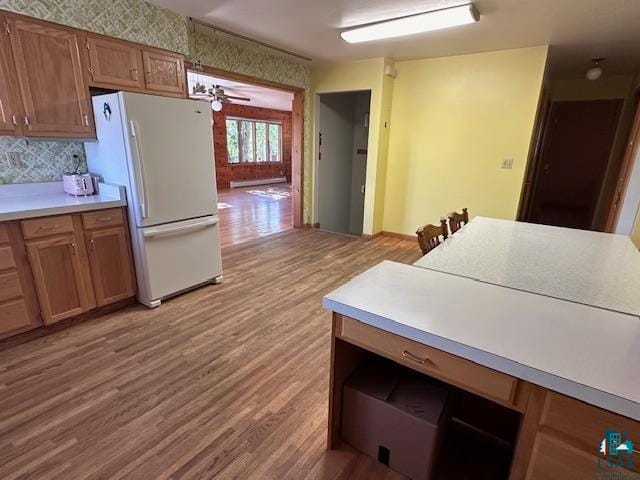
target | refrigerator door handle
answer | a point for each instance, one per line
(171, 230)
(144, 213)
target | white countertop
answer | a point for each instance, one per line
(40, 199)
(593, 268)
(587, 353)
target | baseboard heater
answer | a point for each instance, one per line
(257, 181)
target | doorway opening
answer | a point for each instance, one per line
(257, 132)
(343, 136)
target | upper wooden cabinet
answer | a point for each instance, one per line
(46, 71)
(9, 111)
(163, 71)
(114, 63)
(55, 98)
(121, 65)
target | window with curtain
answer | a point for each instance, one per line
(253, 141)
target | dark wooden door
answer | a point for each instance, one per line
(574, 159)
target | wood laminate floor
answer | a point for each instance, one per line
(252, 212)
(228, 381)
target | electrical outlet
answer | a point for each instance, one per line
(15, 159)
(507, 163)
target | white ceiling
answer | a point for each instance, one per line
(578, 29)
(260, 96)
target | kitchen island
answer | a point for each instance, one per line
(568, 369)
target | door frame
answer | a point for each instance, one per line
(626, 168)
(297, 130)
(534, 157)
(315, 152)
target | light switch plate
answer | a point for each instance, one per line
(507, 163)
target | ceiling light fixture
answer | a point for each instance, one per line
(595, 72)
(216, 105)
(418, 23)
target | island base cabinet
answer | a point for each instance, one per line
(59, 280)
(552, 459)
(110, 262)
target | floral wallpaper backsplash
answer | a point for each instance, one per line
(143, 22)
(39, 161)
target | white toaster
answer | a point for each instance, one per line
(78, 184)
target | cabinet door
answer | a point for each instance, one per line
(164, 72)
(114, 63)
(111, 267)
(9, 94)
(60, 284)
(54, 95)
(552, 459)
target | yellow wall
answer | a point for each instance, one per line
(361, 75)
(453, 120)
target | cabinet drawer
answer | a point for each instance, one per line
(47, 226)
(431, 361)
(9, 286)
(14, 316)
(102, 218)
(584, 424)
(6, 258)
(4, 235)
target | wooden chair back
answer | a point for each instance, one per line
(457, 220)
(430, 236)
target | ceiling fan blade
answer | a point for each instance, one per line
(245, 99)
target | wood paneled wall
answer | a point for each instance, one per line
(245, 171)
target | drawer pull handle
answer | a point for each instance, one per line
(104, 219)
(49, 227)
(411, 356)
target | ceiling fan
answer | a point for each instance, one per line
(216, 95)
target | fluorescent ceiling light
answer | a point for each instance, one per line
(421, 22)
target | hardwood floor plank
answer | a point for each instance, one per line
(248, 213)
(228, 381)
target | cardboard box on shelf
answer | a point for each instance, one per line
(394, 416)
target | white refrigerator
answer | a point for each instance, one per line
(161, 149)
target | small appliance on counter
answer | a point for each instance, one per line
(76, 183)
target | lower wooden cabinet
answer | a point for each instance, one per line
(60, 284)
(57, 267)
(110, 263)
(18, 303)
